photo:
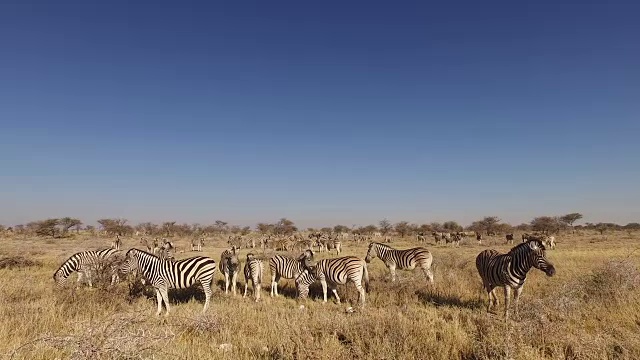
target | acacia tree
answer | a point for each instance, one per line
(168, 228)
(115, 226)
(403, 228)
(452, 226)
(436, 226)
(546, 224)
(285, 227)
(385, 226)
(340, 229)
(46, 227)
(67, 223)
(264, 228)
(569, 219)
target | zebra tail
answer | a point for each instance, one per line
(365, 276)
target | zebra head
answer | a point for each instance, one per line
(539, 257)
(372, 253)
(307, 260)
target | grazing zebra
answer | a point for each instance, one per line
(510, 270)
(116, 243)
(288, 268)
(336, 271)
(253, 270)
(421, 238)
(407, 259)
(509, 238)
(164, 275)
(229, 267)
(85, 263)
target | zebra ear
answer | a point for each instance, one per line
(534, 245)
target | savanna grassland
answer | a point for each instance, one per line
(589, 310)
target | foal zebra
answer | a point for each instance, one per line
(229, 267)
(402, 259)
(85, 263)
(253, 270)
(164, 275)
(288, 268)
(510, 270)
(336, 271)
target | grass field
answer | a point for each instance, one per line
(589, 310)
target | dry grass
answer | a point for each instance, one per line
(589, 310)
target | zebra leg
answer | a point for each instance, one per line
(226, 283)
(234, 281)
(257, 289)
(274, 285)
(324, 289)
(246, 286)
(159, 297)
(165, 297)
(507, 300)
(429, 274)
(361, 293)
(392, 268)
(206, 286)
(516, 298)
(335, 293)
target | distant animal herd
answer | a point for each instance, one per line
(158, 267)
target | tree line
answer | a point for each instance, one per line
(62, 227)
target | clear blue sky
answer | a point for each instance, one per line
(322, 112)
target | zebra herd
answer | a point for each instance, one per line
(496, 270)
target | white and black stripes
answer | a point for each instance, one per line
(163, 274)
(85, 263)
(229, 267)
(510, 270)
(335, 272)
(407, 259)
(288, 268)
(253, 270)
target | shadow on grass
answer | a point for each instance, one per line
(438, 298)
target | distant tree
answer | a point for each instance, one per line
(340, 229)
(413, 229)
(385, 226)
(168, 228)
(245, 230)
(402, 228)
(326, 230)
(115, 226)
(424, 229)
(67, 223)
(148, 229)
(504, 228)
(221, 226)
(90, 229)
(196, 229)
(451, 226)
(368, 230)
(436, 226)
(310, 229)
(602, 227)
(632, 226)
(235, 229)
(569, 219)
(46, 227)
(264, 228)
(285, 227)
(20, 229)
(547, 224)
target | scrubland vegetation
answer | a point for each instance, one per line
(589, 310)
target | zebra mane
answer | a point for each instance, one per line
(380, 245)
(142, 252)
(526, 245)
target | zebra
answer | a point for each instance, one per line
(336, 271)
(288, 268)
(85, 262)
(509, 238)
(510, 270)
(420, 237)
(253, 270)
(164, 275)
(229, 267)
(407, 259)
(116, 243)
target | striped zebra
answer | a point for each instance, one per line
(253, 270)
(87, 262)
(164, 275)
(334, 272)
(116, 243)
(407, 259)
(510, 270)
(288, 268)
(229, 267)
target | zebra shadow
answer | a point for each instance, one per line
(437, 298)
(176, 296)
